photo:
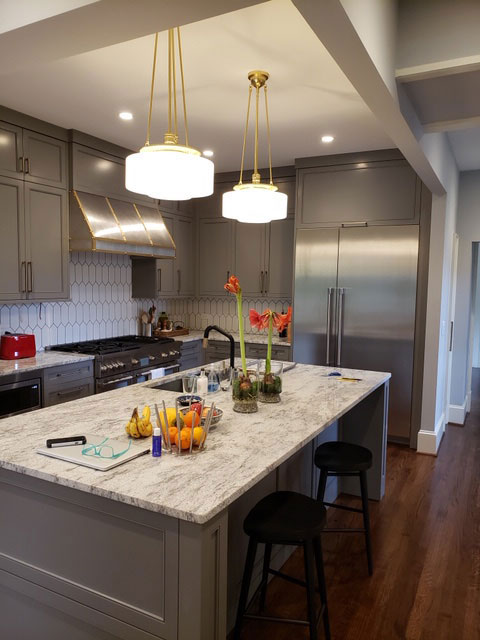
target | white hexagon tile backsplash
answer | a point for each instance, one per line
(102, 306)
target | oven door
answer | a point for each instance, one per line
(114, 382)
(19, 397)
(159, 372)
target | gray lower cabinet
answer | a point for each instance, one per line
(215, 255)
(259, 351)
(192, 355)
(33, 242)
(219, 350)
(67, 382)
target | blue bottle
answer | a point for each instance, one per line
(157, 443)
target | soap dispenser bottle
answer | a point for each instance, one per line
(202, 383)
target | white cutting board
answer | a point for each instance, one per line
(73, 453)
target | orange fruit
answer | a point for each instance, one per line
(191, 419)
(172, 431)
(184, 439)
(198, 436)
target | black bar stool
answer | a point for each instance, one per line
(286, 518)
(345, 459)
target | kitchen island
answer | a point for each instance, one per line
(155, 548)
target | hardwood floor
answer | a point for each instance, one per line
(426, 542)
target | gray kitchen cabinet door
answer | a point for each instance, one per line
(45, 159)
(185, 256)
(279, 265)
(12, 246)
(165, 276)
(11, 150)
(250, 245)
(215, 237)
(287, 185)
(46, 224)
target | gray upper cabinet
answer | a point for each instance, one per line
(11, 150)
(184, 238)
(279, 278)
(358, 192)
(46, 225)
(44, 159)
(100, 173)
(250, 257)
(215, 255)
(165, 280)
(12, 247)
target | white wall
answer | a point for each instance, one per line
(476, 326)
(468, 229)
(436, 30)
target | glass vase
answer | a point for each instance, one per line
(245, 390)
(270, 384)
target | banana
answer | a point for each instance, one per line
(146, 414)
(140, 426)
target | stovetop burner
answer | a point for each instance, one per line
(110, 345)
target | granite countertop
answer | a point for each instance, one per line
(42, 360)
(240, 451)
(252, 338)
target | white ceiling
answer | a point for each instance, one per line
(308, 95)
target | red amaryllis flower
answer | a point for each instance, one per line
(233, 285)
(281, 320)
(260, 320)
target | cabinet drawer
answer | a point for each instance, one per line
(56, 377)
(256, 350)
(67, 393)
(281, 353)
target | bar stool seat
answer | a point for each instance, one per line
(343, 456)
(286, 518)
(346, 459)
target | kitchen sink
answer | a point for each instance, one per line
(171, 385)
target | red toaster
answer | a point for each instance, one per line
(17, 345)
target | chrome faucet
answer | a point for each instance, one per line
(224, 333)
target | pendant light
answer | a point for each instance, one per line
(255, 201)
(169, 171)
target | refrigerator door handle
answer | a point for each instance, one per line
(329, 324)
(341, 302)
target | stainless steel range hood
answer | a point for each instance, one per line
(104, 224)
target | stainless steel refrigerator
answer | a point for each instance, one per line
(354, 305)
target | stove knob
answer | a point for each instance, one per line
(134, 361)
(116, 365)
(164, 355)
(103, 368)
(109, 366)
(121, 364)
(151, 358)
(173, 353)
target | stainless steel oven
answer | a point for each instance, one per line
(20, 397)
(135, 377)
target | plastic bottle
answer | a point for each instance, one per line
(202, 383)
(157, 443)
(213, 381)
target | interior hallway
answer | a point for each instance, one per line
(426, 541)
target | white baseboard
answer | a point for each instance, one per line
(429, 441)
(469, 401)
(457, 412)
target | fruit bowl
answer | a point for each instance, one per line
(183, 431)
(217, 414)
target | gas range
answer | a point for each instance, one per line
(127, 360)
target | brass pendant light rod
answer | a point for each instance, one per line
(174, 85)
(169, 81)
(245, 133)
(180, 59)
(152, 86)
(268, 134)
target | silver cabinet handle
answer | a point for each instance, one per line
(266, 285)
(20, 164)
(341, 302)
(179, 276)
(450, 346)
(29, 277)
(23, 268)
(261, 281)
(159, 279)
(329, 323)
(26, 164)
(104, 384)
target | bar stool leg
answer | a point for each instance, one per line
(322, 484)
(310, 581)
(317, 545)
(366, 519)
(247, 577)
(266, 566)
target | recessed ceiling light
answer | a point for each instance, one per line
(327, 139)
(125, 115)
(208, 153)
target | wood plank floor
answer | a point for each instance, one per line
(426, 541)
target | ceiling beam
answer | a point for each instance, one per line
(102, 24)
(331, 24)
(438, 69)
(452, 125)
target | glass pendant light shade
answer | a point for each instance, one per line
(254, 203)
(169, 172)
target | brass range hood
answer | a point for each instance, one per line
(98, 223)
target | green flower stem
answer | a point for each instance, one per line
(240, 331)
(268, 361)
